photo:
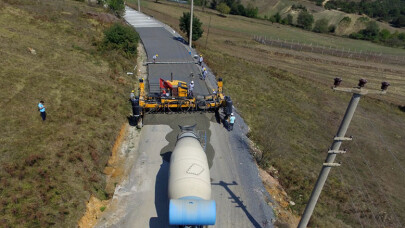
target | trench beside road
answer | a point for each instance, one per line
(142, 199)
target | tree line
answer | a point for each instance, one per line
(234, 7)
(392, 11)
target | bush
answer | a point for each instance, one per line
(117, 6)
(289, 19)
(122, 38)
(357, 36)
(223, 8)
(185, 26)
(321, 26)
(332, 28)
(371, 31)
(346, 20)
(305, 20)
(384, 34)
(277, 17)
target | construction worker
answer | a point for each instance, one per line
(204, 73)
(231, 122)
(132, 95)
(41, 109)
(190, 89)
(155, 57)
(200, 60)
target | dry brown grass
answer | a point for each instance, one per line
(48, 170)
(286, 99)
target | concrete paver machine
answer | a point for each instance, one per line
(175, 96)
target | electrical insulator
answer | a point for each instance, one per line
(337, 82)
(362, 82)
(384, 85)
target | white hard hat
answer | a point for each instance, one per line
(192, 82)
(232, 114)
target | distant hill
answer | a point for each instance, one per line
(334, 16)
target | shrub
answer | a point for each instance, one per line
(305, 20)
(185, 26)
(289, 19)
(332, 28)
(277, 17)
(371, 31)
(122, 38)
(346, 20)
(321, 26)
(223, 8)
(117, 6)
(384, 34)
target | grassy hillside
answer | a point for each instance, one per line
(286, 99)
(48, 51)
(270, 8)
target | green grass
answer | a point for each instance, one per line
(48, 170)
(293, 114)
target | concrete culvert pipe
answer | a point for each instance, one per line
(189, 183)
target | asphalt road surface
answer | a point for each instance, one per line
(142, 201)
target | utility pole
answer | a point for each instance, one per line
(206, 40)
(337, 141)
(191, 24)
(139, 5)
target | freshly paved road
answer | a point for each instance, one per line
(141, 201)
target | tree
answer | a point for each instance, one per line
(384, 34)
(400, 21)
(213, 4)
(122, 38)
(277, 17)
(321, 26)
(223, 8)
(371, 31)
(251, 11)
(289, 19)
(185, 26)
(305, 20)
(117, 6)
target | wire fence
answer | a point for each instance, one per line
(332, 51)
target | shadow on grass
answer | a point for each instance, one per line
(238, 201)
(402, 108)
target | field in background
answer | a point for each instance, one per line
(48, 51)
(285, 97)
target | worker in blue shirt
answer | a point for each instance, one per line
(41, 109)
(231, 122)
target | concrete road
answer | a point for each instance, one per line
(141, 201)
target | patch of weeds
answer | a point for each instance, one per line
(102, 209)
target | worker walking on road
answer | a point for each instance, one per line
(41, 109)
(190, 89)
(200, 60)
(155, 57)
(231, 122)
(204, 73)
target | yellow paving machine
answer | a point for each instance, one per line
(175, 96)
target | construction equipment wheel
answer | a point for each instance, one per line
(139, 124)
(203, 105)
(185, 109)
